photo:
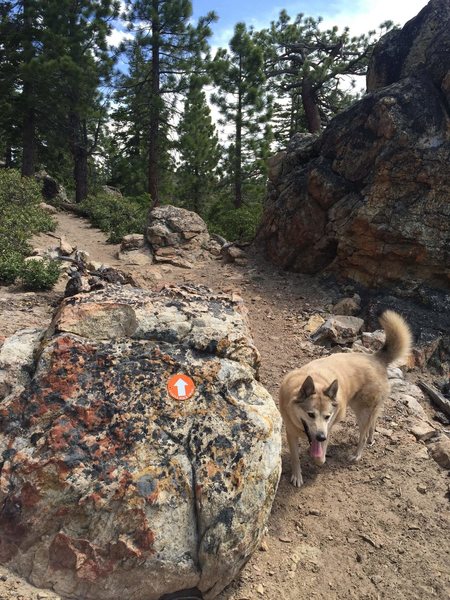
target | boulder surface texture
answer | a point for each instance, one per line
(109, 487)
(369, 198)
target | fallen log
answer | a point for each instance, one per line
(436, 397)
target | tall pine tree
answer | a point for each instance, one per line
(172, 47)
(244, 105)
(198, 150)
(77, 62)
(306, 66)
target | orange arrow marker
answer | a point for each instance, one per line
(180, 386)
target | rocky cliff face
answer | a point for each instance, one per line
(369, 198)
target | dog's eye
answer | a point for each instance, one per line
(312, 415)
(326, 417)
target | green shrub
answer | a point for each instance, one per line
(234, 224)
(117, 215)
(20, 218)
(11, 263)
(39, 274)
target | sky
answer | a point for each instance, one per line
(359, 15)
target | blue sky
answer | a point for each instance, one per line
(359, 15)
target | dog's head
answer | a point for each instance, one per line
(316, 408)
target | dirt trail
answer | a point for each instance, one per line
(377, 529)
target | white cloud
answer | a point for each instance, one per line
(116, 37)
(367, 15)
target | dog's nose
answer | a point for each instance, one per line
(321, 437)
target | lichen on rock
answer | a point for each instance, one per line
(110, 487)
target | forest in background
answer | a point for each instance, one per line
(137, 117)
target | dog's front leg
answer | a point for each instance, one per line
(296, 470)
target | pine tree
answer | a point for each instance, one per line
(77, 62)
(308, 64)
(20, 33)
(172, 48)
(244, 105)
(198, 149)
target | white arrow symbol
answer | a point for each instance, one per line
(181, 387)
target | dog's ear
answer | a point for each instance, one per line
(332, 390)
(306, 390)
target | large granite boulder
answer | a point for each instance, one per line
(369, 198)
(178, 236)
(110, 488)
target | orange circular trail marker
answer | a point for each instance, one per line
(180, 386)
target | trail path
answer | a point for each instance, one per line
(379, 529)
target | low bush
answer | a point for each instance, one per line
(117, 215)
(39, 275)
(20, 218)
(234, 224)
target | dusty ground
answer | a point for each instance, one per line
(378, 529)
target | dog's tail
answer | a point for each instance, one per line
(398, 338)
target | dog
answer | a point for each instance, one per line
(315, 397)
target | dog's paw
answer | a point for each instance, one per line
(354, 457)
(297, 480)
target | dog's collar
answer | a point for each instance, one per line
(305, 427)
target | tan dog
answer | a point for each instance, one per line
(315, 397)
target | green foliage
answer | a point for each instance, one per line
(199, 151)
(117, 215)
(234, 224)
(20, 218)
(11, 263)
(39, 275)
(306, 67)
(245, 107)
(170, 48)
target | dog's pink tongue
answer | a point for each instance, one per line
(316, 449)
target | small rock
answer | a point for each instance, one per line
(314, 322)
(65, 248)
(42, 596)
(132, 241)
(376, 579)
(422, 454)
(422, 430)
(385, 432)
(286, 540)
(348, 306)
(48, 208)
(395, 373)
(263, 546)
(340, 330)
(260, 589)
(374, 340)
(314, 511)
(440, 451)
(422, 488)
(34, 259)
(414, 406)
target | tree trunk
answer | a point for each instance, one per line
(8, 157)
(153, 149)
(29, 119)
(28, 139)
(238, 150)
(310, 106)
(78, 146)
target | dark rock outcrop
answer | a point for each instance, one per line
(369, 198)
(112, 489)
